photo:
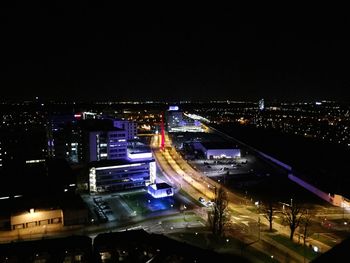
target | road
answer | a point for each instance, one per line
(150, 224)
(182, 175)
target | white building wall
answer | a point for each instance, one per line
(222, 153)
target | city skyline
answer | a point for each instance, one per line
(90, 168)
(100, 54)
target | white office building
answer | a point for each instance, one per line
(218, 150)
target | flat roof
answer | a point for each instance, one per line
(219, 145)
(161, 186)
(64, 201)
(106, 163)
(138, 147)
(98, 125)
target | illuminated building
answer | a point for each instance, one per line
(130, 128)
(33, 218)
(109, 176)
(102, 141)
(261, 104)
(137, 169)
(107, 145)
(218, 150)
(173, 117)
(19, 212)
(93, 139)
(138, 151)
(160, 190)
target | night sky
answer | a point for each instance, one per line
(115, 53)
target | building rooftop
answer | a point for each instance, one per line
(98, 125)
(48, 250)
(219, 145)
(135, 146)
(105, 163)
(161, 186)
(20, 204)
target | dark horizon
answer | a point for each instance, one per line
(168, 101)
(108, 54)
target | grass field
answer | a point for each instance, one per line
(299, 248)
(143, 203)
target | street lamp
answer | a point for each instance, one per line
(184, 211)
(259, 228)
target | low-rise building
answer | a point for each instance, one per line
(218, 150)
(114, 175)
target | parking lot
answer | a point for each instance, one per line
(123, 206)
(246, 167)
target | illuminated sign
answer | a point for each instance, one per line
(173, 108)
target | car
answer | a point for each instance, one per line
(208, 166)
(201, 199)
(209, 203)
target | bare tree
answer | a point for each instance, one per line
(305, 223)
(217, 216)
(268, 212)
(293, 214)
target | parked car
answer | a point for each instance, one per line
(210, 203)
(201, 199)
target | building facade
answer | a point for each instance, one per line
(130, 128)
(33, 218)
(174, 118)
(107, 145)
(218, 150)
(117, 175)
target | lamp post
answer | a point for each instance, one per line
(184, 211)
(259, 228)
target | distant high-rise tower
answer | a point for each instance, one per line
(174, 117)
(261, 104)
